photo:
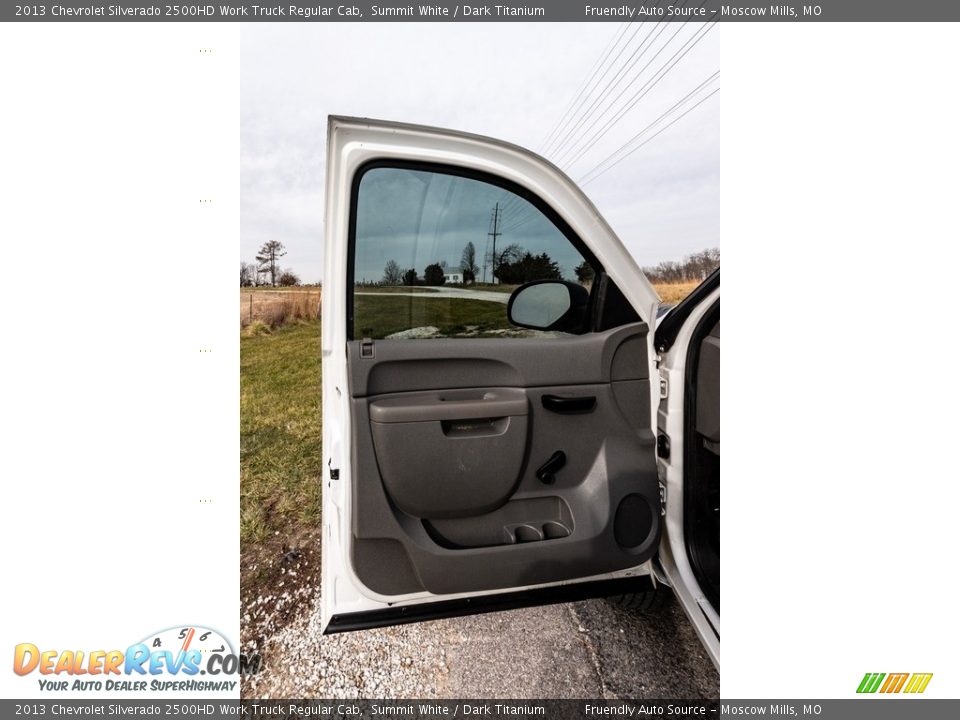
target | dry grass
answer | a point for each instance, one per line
(672, 293)
(277, 307)
(264, 310)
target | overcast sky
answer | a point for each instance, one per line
(509, 81)
(420, 218)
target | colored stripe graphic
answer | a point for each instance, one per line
(900, 684)
(918, 682)
(870, 682)
(895, 682)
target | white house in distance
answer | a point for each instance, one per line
(453, 276)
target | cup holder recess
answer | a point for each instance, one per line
(553, 530)
(527, 533)
(518, 522)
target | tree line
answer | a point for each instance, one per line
(266, 270)
(510, 265)
(693, 268)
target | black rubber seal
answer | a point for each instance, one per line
(489, 603)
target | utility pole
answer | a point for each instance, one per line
(494, 234)
(485, 256)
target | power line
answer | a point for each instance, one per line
(586, 81)
(650, 84)
(676, 119)
(512, 204)
(592, 84)
(637, 76)
(511, 201)
(673, 108)
(598, 80)
(520, 222)
(597, 170)
(527, 214)
(570, 137)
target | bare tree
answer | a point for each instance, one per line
(246, 274)
(693, 268)
(468, 263)
(392, 274)
(268, 257)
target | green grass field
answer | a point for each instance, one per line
(280, 425)
(280, 431)
(378, 317)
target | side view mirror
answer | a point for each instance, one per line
(549, 305)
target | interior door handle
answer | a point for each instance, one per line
(558, 404)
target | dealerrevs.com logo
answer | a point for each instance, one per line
(911, 683)
(172, 659)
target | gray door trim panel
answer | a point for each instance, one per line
(412, 365)
(571, 529)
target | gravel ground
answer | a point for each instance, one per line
(589, 649)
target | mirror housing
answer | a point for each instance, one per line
(549, 305)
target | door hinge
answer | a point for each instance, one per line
(663, 500)
(366, 349)
(664, 387)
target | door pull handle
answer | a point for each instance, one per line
(558, 404)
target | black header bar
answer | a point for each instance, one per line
(447, 11)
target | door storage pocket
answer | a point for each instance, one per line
(450, 454)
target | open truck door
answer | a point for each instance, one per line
(489, 442)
